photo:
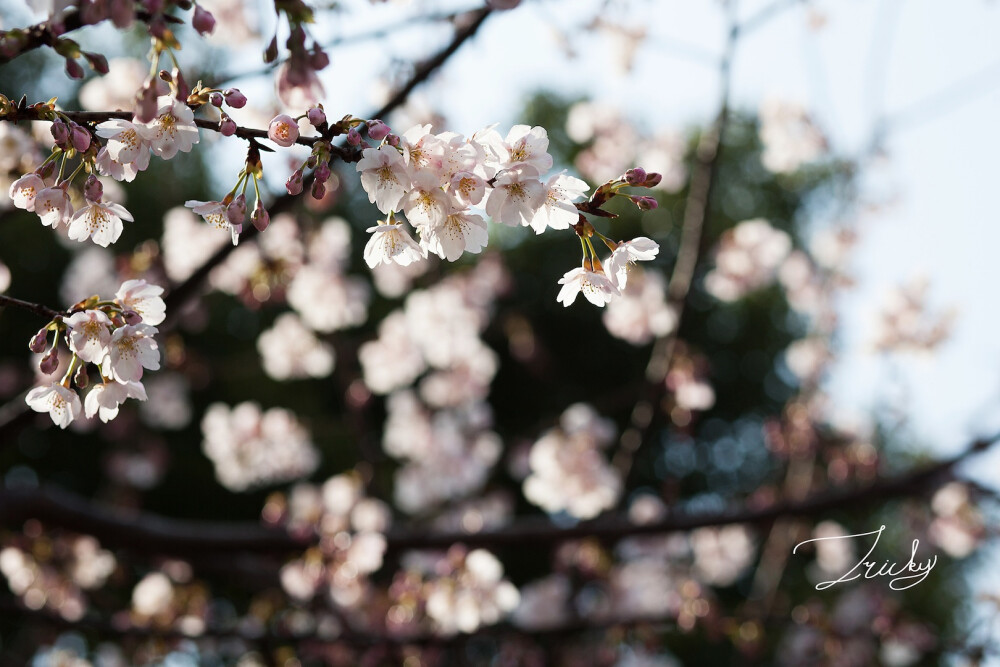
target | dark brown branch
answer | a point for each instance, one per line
(41, 34)
(36, 308)
(147, 533)
(428, 67)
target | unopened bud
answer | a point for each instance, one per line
(392, 140)
(316, 116)
(45, 171)
(236, 212)
(79, 137)
(60, 133)
(73, 69)
(39, 341)
(318, 190)
(294, 183)
(318, 59)
(260, 217)
(636, 176)
(377, 130)
(215, 99)
(183, 89)
(353, 136)
(131, 317)
(80, 377)
(93, 190)
(646, 203)
(271, 52)
(203, 21)
(227, 127)
(652, 180)
(235, 98)
(49, 363)
(145, 108)
(97, 62)
(322, 173)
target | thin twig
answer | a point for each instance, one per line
(36, 308)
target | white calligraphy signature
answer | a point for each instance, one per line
(904, 576)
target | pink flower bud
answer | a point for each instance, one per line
(236, 212)
(318, 59)
(183, 89)
(80, 377)
(116, 320)
(92, 189)
(49, 363)
(235, 98)
(39, 341)
(636, 176)
(652, 180)
(377, 130)
(73, 69)
(318, 190)
(645, 203)
(322, 172)
(283, 130)
(215, 99)
(60, 132)
(392, 140)
(353, 136)
(131, 317)
(316, 116)
(227, 127)
(98, 63)
(145, 108)
(294, 183)
(260, 217)
(46, 171)
(271, 52)
(80, 137)
(203, 21)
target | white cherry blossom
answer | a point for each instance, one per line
(100, 222)
(516, 196)
(103, 400)
(24, 190)
(390, 243)
(89, 335)
(132, 348)
(125, 144)
(557, 210)
(143, 298)
(460, 232)
(214, 213)
(626, 254)
(172, 130)
(62, 403)
(53, 206)
(384, 176)
(595, 285)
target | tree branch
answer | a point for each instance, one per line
(149, 533)
(36, 308)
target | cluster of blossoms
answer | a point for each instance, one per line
(569, 472)
(907, 324)
(458, 591)
(251, 448)
(789, 135)
(351, 530)
(116, 336)
(437, 180)
(747, 258)
(55, 573)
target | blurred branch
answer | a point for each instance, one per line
(696, 211)
(149, 533)
(36, 308)
(40, 34)
(428, 67)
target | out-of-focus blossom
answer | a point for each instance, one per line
(641, 313)
(722, 555)
(907, 324)
(789, 136)
(289, 350)
(747, 258)
(252, 448)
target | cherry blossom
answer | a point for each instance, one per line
(100, 222)
(557, 210)
(144, 298)
(384, 176)
(24, 190)
(172, 130)
(516, 196)
(89, 334)
(53, 206)
(132, 348)
(62, 403)
(594, 285)
(103, 400)
(460, 232)
(625, 255)
(214, 213)
(390, 243)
